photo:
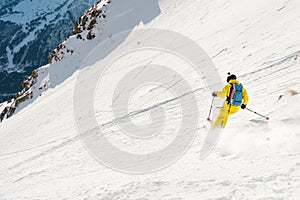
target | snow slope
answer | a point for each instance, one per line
(42, 156)
(114, 17)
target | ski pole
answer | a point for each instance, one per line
(212, 102)
(267, 118)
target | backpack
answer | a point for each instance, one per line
(236, 95)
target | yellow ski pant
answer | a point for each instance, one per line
(225, 112)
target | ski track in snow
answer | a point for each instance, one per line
(42, 156)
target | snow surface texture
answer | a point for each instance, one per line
(42, 156)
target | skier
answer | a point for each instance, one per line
(236, 98)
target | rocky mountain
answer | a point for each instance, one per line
(30, 30)
(102, 20)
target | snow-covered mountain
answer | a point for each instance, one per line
(31, 29)
(94, 26)
(42, 152)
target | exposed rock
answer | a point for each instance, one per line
(27, 38)
(83, 29)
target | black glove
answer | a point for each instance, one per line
(214, 94)
(243, 106)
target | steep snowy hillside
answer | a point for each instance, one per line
(95, 90)
(31, 29)
(100, 22)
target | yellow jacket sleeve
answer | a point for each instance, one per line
(245, 96)
(224, 92)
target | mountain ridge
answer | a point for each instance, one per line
(31, 30)
(7, 109)
(94, 25)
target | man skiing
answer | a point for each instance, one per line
(236, 98)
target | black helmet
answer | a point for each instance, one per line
(231, 77)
